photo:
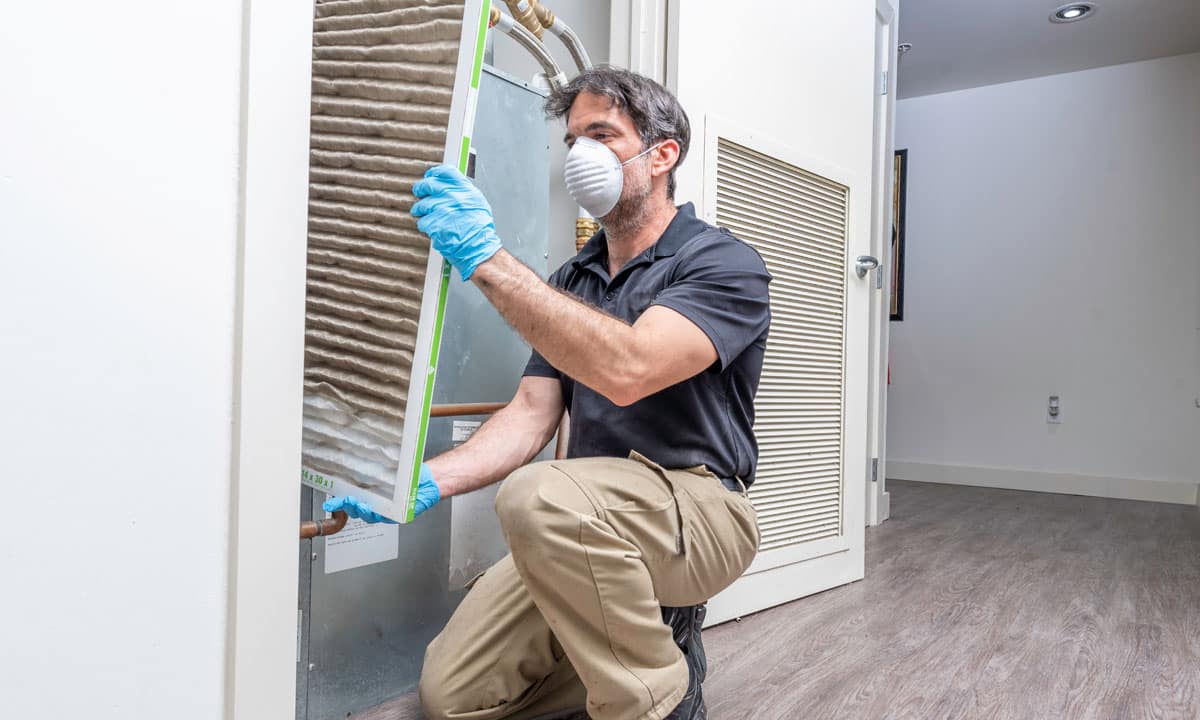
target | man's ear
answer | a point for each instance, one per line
(664, 157)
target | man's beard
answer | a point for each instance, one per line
(632, 208)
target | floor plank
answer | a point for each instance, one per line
(979, 603)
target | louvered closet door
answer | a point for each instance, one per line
(798, 220)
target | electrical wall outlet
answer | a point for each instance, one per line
(1054, 410)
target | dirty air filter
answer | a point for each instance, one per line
(393, 92)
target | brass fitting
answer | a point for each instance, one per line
(544, 14)
(523, 12)
(585, 228)
(493, 17)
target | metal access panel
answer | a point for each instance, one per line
(364, 630)
(395, 87)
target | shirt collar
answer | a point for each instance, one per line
(683, 227)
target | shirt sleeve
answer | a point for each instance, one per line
(721, 286)
(538, 367)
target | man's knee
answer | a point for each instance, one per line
(535, 498)
(517, 490)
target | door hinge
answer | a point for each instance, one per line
(874, 469)
(883, 82)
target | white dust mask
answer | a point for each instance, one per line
(594, 177)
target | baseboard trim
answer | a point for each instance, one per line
(1034, 481)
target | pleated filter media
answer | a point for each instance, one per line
(392, 94)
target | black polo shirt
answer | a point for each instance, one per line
(720, 284)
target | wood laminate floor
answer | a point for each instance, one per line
(978, 603)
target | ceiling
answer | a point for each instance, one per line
(960, 44)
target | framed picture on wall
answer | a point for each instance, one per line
(899, 198)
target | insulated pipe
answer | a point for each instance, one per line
(585, 226)
(529, 41)
(565, 34)
(574, 44)
(328, 526)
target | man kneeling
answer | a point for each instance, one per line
(652, 337)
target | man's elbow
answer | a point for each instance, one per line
(630, 385)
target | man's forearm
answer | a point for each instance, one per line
(508, 440)
(586, 344)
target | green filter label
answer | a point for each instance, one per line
(317, 479)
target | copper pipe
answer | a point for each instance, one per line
(328, 526)
(460, 409)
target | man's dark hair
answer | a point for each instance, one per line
(655, 112)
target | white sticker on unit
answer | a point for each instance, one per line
(360, 544)
(463, 430)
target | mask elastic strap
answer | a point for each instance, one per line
(635, 157)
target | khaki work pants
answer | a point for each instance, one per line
(573, 613)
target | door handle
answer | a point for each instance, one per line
(864, 264)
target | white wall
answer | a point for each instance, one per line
(590, 20)
(118, 236)
(1053, 247)
(799, 74)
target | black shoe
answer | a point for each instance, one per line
(692, 705)
(686, 623)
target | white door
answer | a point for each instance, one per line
(781, 104)
(878, 500)
(811, 408)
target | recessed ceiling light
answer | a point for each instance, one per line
(1073, 12)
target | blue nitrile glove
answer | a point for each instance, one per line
(356, 509)
(428, 492)
(428, 495)
(457, 217)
